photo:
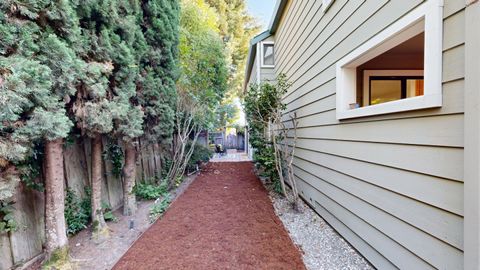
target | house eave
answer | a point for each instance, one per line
(273, 26)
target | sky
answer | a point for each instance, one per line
(262, 10)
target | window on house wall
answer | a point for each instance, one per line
(268, 54)
(381, 87)
(393, 72)
(394, 75)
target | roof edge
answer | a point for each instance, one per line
(277, 15)
(272, 28)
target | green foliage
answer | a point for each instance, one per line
(204, 74)
(112, 45)
(130, 48)
(114, 153)
(179, 180)
(260, 104)
(166, 164)
(75, 216)
(200, 154)
(236, 28)
(26, 84)
(108, 213)
(160, 67)
(31, 168)
(49, 125)
(77, 211)
(39, 73)
(149, 191)
(159, 208)
(7, 219)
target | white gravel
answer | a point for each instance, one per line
(323, 247)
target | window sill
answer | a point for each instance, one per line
(409, 104)
(267, 66)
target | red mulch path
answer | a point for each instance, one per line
(224, 220)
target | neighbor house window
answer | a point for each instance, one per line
(268, 54)
(393, 71)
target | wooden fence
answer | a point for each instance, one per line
(26, 243)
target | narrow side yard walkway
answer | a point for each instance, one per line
(232, 155)
(224, 220)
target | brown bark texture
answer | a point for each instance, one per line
(55, 230)
(129, 202)
(97, 213)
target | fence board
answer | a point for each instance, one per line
(25, 241)
(6, 260)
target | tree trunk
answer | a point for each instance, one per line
(129, 203)
(56, 244)
(278, 163)
(100, 229)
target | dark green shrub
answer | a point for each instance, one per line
(31, 168)
(166, 164)
(200, 154)
(114, 154)
(149, 191)
(77, 211)
(7, 221)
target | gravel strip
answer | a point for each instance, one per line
(322, 246)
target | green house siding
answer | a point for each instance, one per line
(392, 185)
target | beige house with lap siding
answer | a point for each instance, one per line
(388, 99)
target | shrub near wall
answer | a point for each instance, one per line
(201, 155)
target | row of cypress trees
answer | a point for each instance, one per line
(92, 67)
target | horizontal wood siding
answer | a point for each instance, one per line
(254, 71)
(267, 74)
(392, 185)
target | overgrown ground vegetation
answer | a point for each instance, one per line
(114, 70)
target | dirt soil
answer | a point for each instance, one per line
(86, 254)
(224, 220)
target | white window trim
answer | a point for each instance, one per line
(427, 18)
(261, 53)
(326, 4)
(259, 73)
(369, 73)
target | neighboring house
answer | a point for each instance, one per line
(260, 67)
(261, 60)
(388, 98)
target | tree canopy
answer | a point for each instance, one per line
(203, 64)
(155, 71)
(237, 28)
(39, 72)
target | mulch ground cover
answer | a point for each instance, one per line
(224, 220)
